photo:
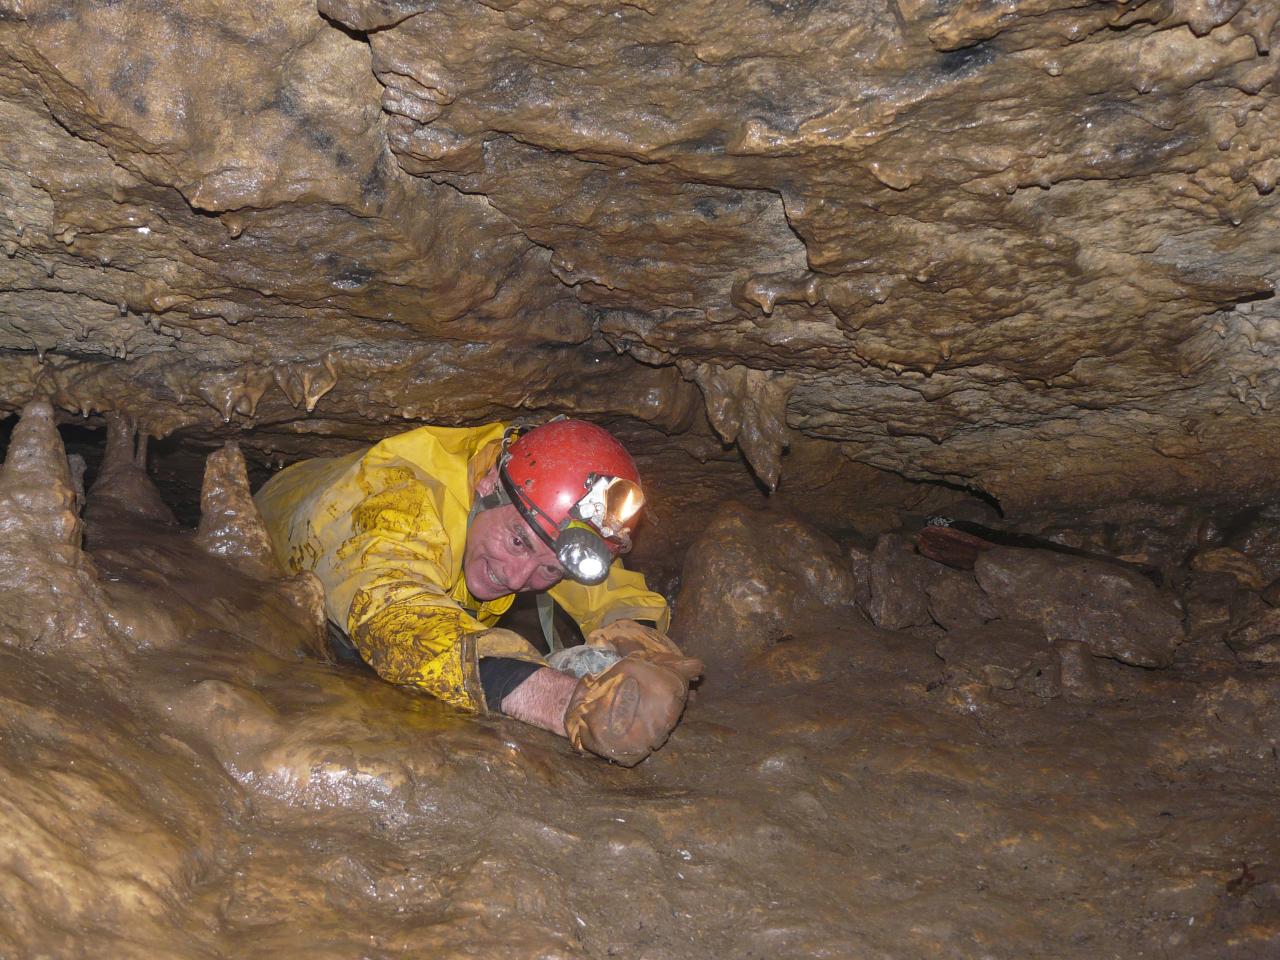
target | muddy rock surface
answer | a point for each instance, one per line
(956, 600)
(899, 578)
(217, 790)
(749, 578)
(1254, 631)
(1004, 656)
(1113, 610)
(828, 270)
(1255, 537)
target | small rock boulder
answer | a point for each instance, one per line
(1208, 599)
(1114, 611)
(1078, 668)
(1254, 633)
(1258, 538)
(746, 581)
(1232, 562)
(956, 601)
(899, 578)
(860, 567)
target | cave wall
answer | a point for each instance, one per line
(1024, 248)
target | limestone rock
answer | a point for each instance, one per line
(1254, 632)
(1078, 669)
(1006, 655)
(899, 578)
(123, 487)
(1226, 560)
(860, 567)
(37, 490)
(748, 579)
(320, 224)
(1241, 714)
(230, 525)
(956, 601)
(748, 407)
(1258, 538)
(1115, 611)
(53, 603)
(104, 817)
(1208, 599)
(77, 466)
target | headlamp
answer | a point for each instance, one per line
(583, 554)
(610, 504)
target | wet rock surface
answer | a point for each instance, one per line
(53, 604)
(749, 578)
(215, 792)
(956, 600)
(1005, 656)
(1254, 632)
(899, 578)
(1257, 537)
(1022, 252)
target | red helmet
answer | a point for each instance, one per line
(578, 489)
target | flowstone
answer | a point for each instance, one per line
(213, 789)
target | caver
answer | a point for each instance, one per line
(423, 540)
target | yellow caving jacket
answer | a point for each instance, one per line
(384, 529)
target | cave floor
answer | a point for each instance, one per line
(844, 801)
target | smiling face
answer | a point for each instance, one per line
(503, 555)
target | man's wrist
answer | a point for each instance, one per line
(541, 699)
(499, 676)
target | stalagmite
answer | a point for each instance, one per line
(51, 599)
(1010, 262)
(232, 528)
(122, 486)
(37, 496)
(230, 525)
(77, 467)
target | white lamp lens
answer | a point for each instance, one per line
(583, 555)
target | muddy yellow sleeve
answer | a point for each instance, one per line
(394, 566)
(623, 596)
(412, 635)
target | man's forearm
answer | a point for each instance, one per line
(541, 700)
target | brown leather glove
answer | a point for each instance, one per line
(627, 712)
(628, 637)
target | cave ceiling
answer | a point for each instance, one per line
(1027, 248)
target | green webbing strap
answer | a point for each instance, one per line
(547, 617)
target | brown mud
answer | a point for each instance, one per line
(178, 778)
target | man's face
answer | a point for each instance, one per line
(504, 556)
